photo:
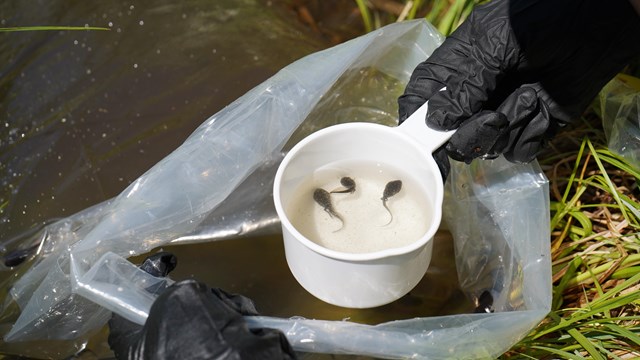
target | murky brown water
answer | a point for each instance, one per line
(256, 267)
(82, 114)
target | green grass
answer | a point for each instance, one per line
(446, 15)
(595, 250)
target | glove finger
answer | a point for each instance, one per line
(442, 159)
(238, 303)
(268, 344)
(178, 320)
(479, 136)
(190, 321)
(439, 69)
(160, 264)
(530, 123)
(492, 52)
(124, 334)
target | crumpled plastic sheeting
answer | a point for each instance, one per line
(178, 193)
(504, 251)
(248, 211)
(619, 107)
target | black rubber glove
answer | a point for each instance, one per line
(516, 71)
(191, 321)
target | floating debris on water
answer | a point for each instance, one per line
(484, 304)
(17, 257)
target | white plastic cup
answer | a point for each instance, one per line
(362, 280)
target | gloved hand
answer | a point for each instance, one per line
(516, 71)
(191, 321)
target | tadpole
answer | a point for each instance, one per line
(348, 183)
(17, 257)
(391, 189)
(484, 304)
(323, 198)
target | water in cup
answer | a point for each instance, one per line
(356, 206)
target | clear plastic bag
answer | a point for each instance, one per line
(619, 107)
(218, 185)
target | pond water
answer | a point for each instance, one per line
(84, 113)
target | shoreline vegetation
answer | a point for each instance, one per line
(595, 214)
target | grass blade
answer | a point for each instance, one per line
(572, 268)
(584, 221)
(586, 344)
(625, 333)
(564, 354)
(414, 9)
(618, 162)
(612, 188)
(366, 15)
(575, 170)
(50, 28)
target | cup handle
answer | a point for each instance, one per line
(416, 127)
